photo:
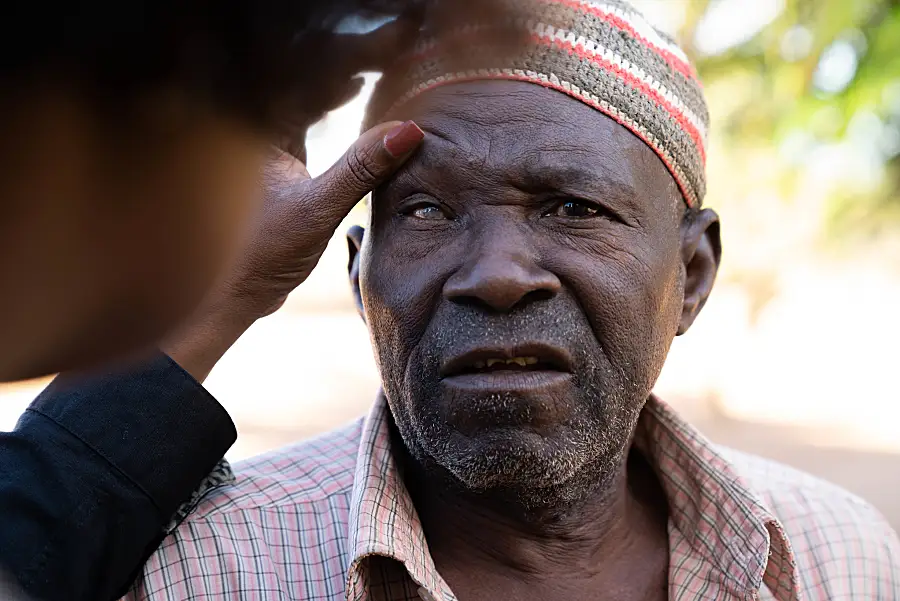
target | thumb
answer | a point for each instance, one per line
(369, 162)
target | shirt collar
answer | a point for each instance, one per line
(382, 519)
(726, 526)
(723, 520)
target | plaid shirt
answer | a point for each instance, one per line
(330, 519)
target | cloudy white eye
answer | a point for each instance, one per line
(428, 211)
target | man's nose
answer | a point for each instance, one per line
(501, 277)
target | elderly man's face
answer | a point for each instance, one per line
(522, 279)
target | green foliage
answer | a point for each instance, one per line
(792, 89)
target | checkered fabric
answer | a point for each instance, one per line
(603, 53)
(330, 519)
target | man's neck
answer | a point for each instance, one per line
(602, 546)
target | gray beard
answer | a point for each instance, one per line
(555, 472)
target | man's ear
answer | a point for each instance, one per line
(701, 251)
(354, 243)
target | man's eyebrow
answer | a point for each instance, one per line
(536, 177)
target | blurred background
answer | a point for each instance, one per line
(796, 356)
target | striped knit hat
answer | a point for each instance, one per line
(601, 52)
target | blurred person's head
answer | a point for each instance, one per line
(132, 138)
(525, 274)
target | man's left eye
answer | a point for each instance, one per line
(577, 209)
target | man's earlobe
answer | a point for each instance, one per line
(701, 251)
(355, 237)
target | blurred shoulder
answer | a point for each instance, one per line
(840, 541)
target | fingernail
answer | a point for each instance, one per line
(403, 139)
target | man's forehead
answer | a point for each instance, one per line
(531, 119)
(539, 136)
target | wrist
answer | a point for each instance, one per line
(230, 314)
(244, 300)
(202, 342)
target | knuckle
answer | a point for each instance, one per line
(361, 166)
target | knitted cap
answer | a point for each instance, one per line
(604, 53)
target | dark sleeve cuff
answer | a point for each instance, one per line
(157, 425)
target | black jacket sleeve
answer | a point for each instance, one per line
(95, 470)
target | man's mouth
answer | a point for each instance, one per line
(500, 364)
(530, 358)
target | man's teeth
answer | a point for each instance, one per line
(520, 361)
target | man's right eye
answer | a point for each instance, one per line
(428, 211)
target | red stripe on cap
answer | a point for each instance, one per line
(674, 61)
(635, 83)
(675, 112)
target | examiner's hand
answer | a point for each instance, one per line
(301, 214)
(299, 218)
